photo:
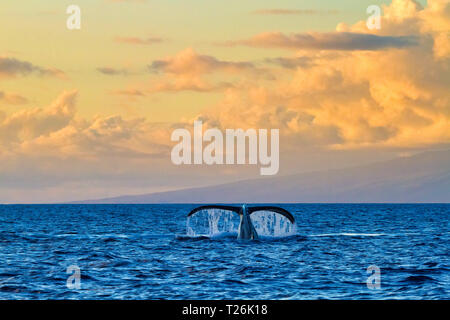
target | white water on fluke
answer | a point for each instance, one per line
(216, 222)
(271, 224)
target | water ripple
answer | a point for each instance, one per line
(143, 252)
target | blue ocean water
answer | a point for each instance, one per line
(142, 252)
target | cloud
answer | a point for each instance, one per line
(112, 71)
(436, 20)
(293, 12)
(11, 67)
(327, 41)
(129, 92)
(339, 97)
(188, 84)
(340, 90)
(138, 41)
(190, 71)
(291, 63)
(56, 131)
(186, 71)
(12, 98)
(35, 122)
(190, 62)
(326, 96)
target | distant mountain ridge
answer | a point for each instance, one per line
(423, 177)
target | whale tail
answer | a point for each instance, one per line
(250, 210)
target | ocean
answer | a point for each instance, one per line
(336, 251)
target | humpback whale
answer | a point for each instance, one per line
(246, 228)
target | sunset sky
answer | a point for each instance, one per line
(88, 113)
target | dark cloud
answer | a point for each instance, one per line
(112, 71)
(14, 67)
(328, 41)
(291, 63)
(129, 92)
(137, 40)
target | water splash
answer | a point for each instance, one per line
(271, 224)
(214, 222)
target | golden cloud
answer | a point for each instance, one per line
(323, 96)
(12, 98)
(355, 87)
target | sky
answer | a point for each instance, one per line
(89, 113)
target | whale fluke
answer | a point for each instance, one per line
(279, 210)
(228, 208)
(246, 228)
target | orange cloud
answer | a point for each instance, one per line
(187, 71)
(340, 90)
(330, 98)
(190, 62)
(12, 98)
(56, 131)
